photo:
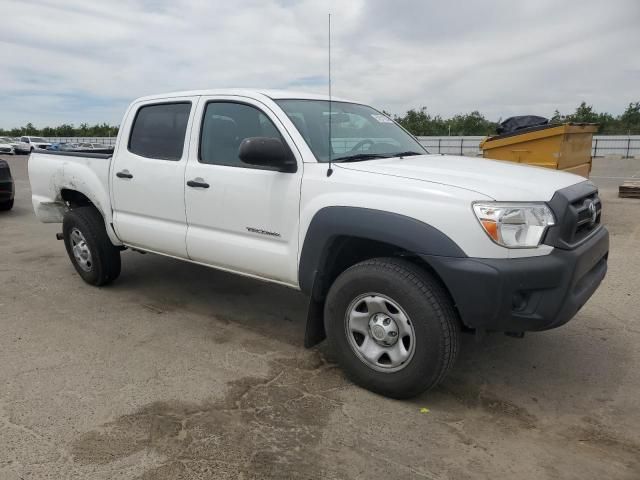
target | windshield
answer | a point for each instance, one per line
(358, 132)
(37, 139)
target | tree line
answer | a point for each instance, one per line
(418, 121)
(64, 130)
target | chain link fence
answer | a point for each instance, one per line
(602, 145)
(106, 141)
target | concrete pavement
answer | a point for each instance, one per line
(179, 371)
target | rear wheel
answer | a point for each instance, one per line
(392, 326)
(8, 205)
(91, 252)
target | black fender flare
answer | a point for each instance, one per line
(330, 223)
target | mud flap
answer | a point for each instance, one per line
(314, 332)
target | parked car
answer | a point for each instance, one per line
(62, 146)
(6, 146)
(28, 144)
(92, 146)
(69, 146)
(397, 249)
(7, 187)
(18, 146)
(95, 148)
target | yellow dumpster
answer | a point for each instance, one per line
(561, 147)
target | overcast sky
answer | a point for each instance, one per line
(76, 60)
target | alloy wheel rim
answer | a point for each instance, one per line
(80, 250)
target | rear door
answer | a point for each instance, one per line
(147, 176)
(241, 218)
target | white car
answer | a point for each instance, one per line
(28, 144)
(397, 249)
(18, 146)
(6, 147)
(93, 146)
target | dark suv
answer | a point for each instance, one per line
(7, 189)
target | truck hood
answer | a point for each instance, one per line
(504, 181)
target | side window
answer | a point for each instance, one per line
(225, 125)
(158, 131)
(24, 139)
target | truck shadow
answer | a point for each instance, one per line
(575, 358)
(165, 285)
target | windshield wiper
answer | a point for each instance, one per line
(370, 156)
(359, 156)
(406, 154)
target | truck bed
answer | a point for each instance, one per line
(93, 153)
(52, 173)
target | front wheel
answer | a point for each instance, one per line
(392, 326)
(91, 252)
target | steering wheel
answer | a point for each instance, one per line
(362, 143)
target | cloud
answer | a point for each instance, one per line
(74, 61)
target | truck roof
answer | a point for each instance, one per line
(246, 92)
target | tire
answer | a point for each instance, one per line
(420, 309)
(83, 227)
(8, 205)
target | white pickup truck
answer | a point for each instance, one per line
(30, 144)
(398, 250)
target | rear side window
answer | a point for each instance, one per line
(158, 131)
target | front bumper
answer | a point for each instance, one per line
(525, 294)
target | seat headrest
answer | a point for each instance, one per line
(223, 130)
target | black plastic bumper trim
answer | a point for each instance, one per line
(525, 294)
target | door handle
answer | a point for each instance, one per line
(197, 183)
(124, 174)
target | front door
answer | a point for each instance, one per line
(240, 217)
(147, 177)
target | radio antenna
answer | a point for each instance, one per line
(330, 170)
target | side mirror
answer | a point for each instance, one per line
(267, 152)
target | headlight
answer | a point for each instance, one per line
(514, 225)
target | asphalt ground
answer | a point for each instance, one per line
(179, 371)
